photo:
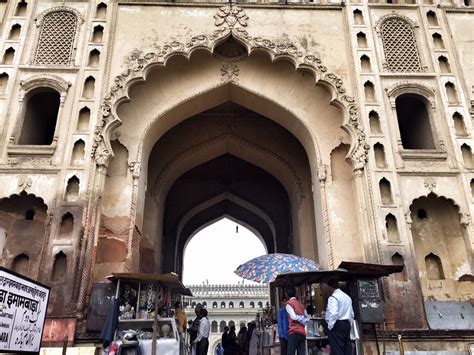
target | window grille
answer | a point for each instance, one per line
(399, 44)
(56, 39)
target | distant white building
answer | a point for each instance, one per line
(227, 305)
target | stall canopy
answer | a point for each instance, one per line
(169, 280)
(346, 271)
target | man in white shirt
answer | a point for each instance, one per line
(339, 316)
(202, 340)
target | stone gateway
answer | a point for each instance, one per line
(334, 130)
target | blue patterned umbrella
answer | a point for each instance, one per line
(267, 267)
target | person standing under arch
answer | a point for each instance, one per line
(339, 315)
(202, 339)
(297, 319)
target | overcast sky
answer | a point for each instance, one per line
(216, 251)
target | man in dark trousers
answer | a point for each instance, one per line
(339, 315)
(297, 319)
(282, 320)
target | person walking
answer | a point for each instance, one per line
(339, 315)
(241, 339)
(233, 346)
(297, 319)
(194, 329)
(225, 340)
(282, 320)
(202, 339)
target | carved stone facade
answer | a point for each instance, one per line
(306, 121)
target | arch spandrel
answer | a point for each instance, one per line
(228, 22)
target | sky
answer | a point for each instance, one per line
(224, 251)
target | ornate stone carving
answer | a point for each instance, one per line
(135, 169)
(465, 219)
(430, 183)
(24, 182)
(230, 72)
(230, 15)
(322, 172)
(139, 61)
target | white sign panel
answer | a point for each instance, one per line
(23, 305)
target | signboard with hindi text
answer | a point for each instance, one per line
(23, 305)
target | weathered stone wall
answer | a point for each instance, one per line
(321, 71)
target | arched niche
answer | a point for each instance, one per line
(438, 232)
(59, 271)
(374, 122)
(72, 189)
(22, 230)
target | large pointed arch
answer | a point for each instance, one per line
(139, 65)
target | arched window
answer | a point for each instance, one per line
(397, 259)
(222, 304)
(432, 19)
(214, 326)
(94, 58)
(231, 304)
(8, 56)
(231, 323)
(66, 226)
(83, 119)
(374, 122)
(193, 305)
(361, 40)
(385, 191)
(252, 304)
(101, 11)
(459, 126)
(39, 123)
(214, 304)
(399, 45)
(467, 156)
(358, 17)
(21, 264)
(379, 154)
(72, 189)
(414, 122)
(241, 304)
(59, 267)
(434, 267)
(3, 83)
(204, 304)
(260, 304)
(97, 34)
(369, 91)
(77, 157)
(365, 64)
(21, 8)
(438, 41)
(392, 228)
(222, 325)
(14, 32)
(56, 38)
(444, 64)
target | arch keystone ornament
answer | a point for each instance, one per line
(229, 21)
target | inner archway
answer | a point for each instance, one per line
(228, 161)
(215, 251)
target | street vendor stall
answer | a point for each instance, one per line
(361, 284)
(144, 317)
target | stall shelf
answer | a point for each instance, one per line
(145, 301)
